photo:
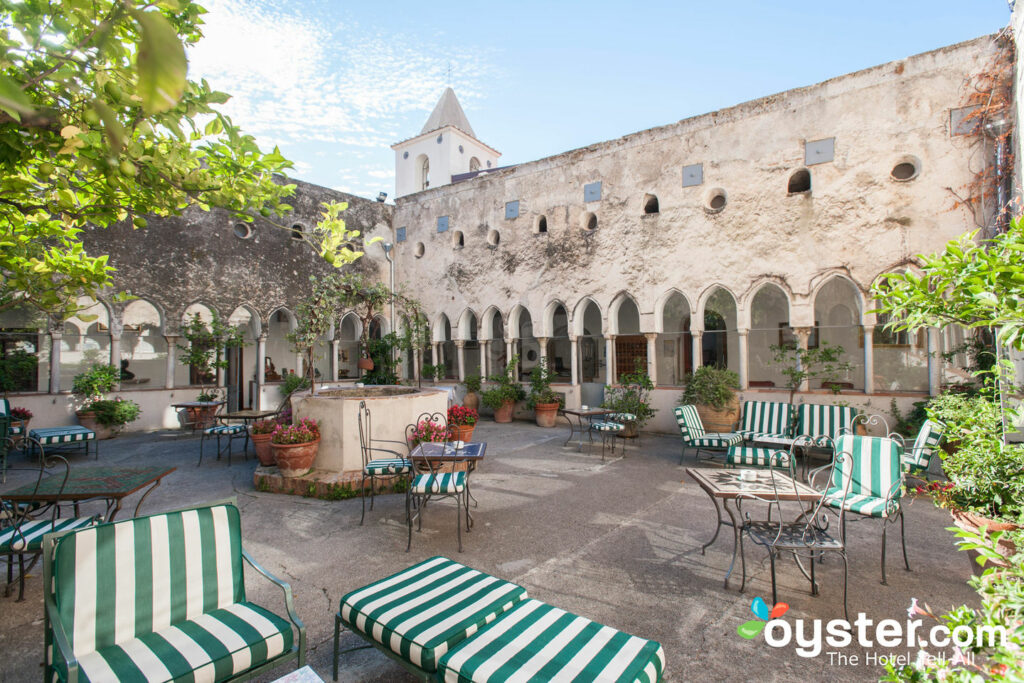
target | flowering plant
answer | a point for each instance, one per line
(21, 413)
(306, 431)
(265, 426)
(460, 415)
(113, 412)
(428, 430)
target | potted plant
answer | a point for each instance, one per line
(427, 431)
(713, 391)
(295, 447)
(502, 397)
(472, 384)
(544, 401)
(20, 417)
(112, 414)
(824, 362)
(90, 387)
(261, 433)
(205, 354)
(631, 397)
(462, 422)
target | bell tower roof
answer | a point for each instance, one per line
(448, 112)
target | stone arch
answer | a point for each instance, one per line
(824, 279)
(547, 327)
(438, 328)
(620, 314)
(422, 171)
(674, 347)
(469, 320)
(515, 320)
(717, 317)
(838, 305)
(487, 323)
(588, 325)
(578, 323)
(661, 302)
(707, 294)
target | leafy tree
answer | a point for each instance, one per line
(99, 124)
(206, 344)
(803, 365)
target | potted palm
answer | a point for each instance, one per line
(713, 391)
(631, 397)
(543, 399)
(502, 397)
(295, 447)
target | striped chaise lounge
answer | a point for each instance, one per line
(874, 477)
(443, 621)
(160, 598)
(692, 430)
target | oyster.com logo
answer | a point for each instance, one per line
(752, 629)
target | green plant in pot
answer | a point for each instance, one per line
(295, 446)
(472, 384)
(632, 396)
(713, 390)
(544, 401)
(502, 396)
(824, 363)
(205, 354)
(104, 416)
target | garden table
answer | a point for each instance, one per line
(111, 484)
(726, 485)
(199, 414)
(580, 414)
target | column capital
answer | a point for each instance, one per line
(743, 331)
(460, 343)
(651, 336)
(573, 338)
(542, 340)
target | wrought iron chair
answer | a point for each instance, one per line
(917, 460)
(224, 430)
(22, 525)
(808, 537)
(374, 467)
(433, 479)
(694, 436)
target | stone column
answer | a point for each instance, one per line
(869, 359)
(436, 352)
(222, 373)
(115, 356)
(335, 347)
(460, 354)
(509, 348)
(485, 351)
(574, 358)
(609, 359)
(803, 335)
(172, 352)
(698, 348)
(744, 346)
(652, 361)
(261, 371)
(934, 363)
(416, 364)
(543, 341)
(56, 334)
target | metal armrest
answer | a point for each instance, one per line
(288, 600)
(815, 472)
(61, 640)
(386, 450)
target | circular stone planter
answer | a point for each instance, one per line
(546, 414)
(295, 459)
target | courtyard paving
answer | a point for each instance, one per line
(618, 542)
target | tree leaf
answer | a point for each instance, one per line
(115, 131)
(12, 99)
(160, 62)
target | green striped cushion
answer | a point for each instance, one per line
(48, 436)
(775, 439)
(15, 429)
(621, 417)
(816, 420)
(690, 425)
(387, 466)
(5, 406)
(446, 482)
(213, 646)
(757, 457)
(537, 642)
(717, 440)
(607, 426)
(871, 472)
(115, 582)
(766, 417)
(870, 506)
(919, 458)
(28, 536)
(224, 430)
(421, 612)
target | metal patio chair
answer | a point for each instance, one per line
(374, 466)
(433, 479)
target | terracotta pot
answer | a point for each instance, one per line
(972, 521)
(89, 421)
(264, 453)
(720, 420)
(629, 430)
(546, 414)
(463, 432)
(365, 363)
(504, 413)
(295, 459)
(472, 400)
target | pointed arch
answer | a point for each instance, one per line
(491, 313)
(579, 312)
(674, 349)
(621, 318)
(662, 301)
(468, 325)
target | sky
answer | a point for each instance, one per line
(335, 83)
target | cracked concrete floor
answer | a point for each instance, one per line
(618, 542)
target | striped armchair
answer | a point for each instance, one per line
(824, 423)
(872, 475)
(767, 422)
(160, 598)
(692, 430)
(918, 459)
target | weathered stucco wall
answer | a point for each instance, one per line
(857, 220)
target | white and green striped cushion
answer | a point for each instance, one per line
(607, 426)
(421, 612)
(5, 406)
(621, 417)
(224, 430)
(919, 458)
(15, 429)
(445, 482)
(690, 425)
(212, 647)
(387, 466)
(871, 471)
(757, 457)
(28, 535)
(817, 420)
(717, 440)
(48, 436)
(537, 642)
(772, 418)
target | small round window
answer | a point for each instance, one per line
(242, 231)
(590, 221)
(906, 168)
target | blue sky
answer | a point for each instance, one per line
(334, 84)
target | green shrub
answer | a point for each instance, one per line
(293, 383)
(473, 383)
(96, 381)
(631, 396)
(114, 412)
(506, 387)
(711, 386)
(540, 386)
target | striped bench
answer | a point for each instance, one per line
(747, 456)
(160, 598)
(444, 621)
(766, 421)
(67, 436)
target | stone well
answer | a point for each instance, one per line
(336, 410)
